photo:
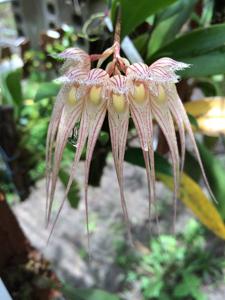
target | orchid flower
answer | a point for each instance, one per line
(123, 90)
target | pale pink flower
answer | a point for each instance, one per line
(144, 93)
(153, 95)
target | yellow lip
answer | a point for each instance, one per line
(118, 103)
(95, 95)
(139, 93)
(162, 94)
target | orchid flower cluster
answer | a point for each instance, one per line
(121, 91)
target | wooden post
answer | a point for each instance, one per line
(13, 243)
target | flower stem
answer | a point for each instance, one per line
(117, 32)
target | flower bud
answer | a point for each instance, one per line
(72, 96)
(118, 103)
(95, 94)
(139, 93)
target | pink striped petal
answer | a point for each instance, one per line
(142, 117)
(91, 122)
(94, 129)
(181, 110)
(83, 133)
(174, 109)
(164, 119)
(61, 102)
(163, 70)
(75, 76)
(52, 130)
(70, 116)
(97, 77)
(139, 71)
(118, 125)
(180, 124)
(75, 57)
(96, 115)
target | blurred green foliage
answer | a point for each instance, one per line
(137, 12)
(173, 267)
(32, 99)
(87, 294)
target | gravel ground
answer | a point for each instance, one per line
(67, 250)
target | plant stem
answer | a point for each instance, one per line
(117, 32)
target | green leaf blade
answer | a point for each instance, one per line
(135, 12)
(169, 24)
(134, 156)
(195, 43)
(47, 90)
(87, 294)
(202, 48)
(215, 173)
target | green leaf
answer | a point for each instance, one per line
(190, 287)
(6, 97)
(103, 138)
(47, 90)
(11, 90)
(193, 120)
(56, 55)
(215, 173)
(13, 82)
(190, 284)
(208, 86)
(74, 193)
(134, 156)
(205, 65)
(169, 24)
(192, 196)
(191, 167)
(140, 43)
(135, 12)
(207, 12)
(87, 294)
(195, 43)
(153, 289)
(202, 48)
